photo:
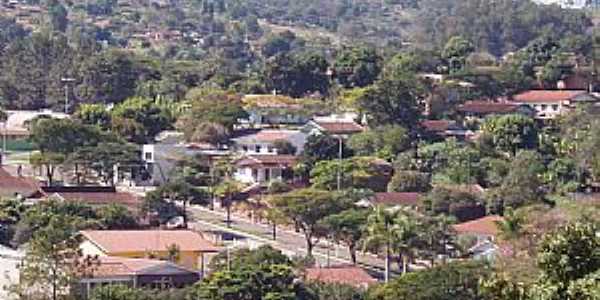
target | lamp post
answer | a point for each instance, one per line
(67, 81)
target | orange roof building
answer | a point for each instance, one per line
(486, 226)
(134, 272)
(548, 104)
(192, 246)
(343, 274)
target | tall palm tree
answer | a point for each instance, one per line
(405, 233)
(379, 234)
(511, 226)
(227, 190)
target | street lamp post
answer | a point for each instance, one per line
(67, 81)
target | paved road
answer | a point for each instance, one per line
(290, 242)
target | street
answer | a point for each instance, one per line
(289, 242)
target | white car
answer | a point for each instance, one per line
(176, 222)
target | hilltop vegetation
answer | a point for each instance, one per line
(118, 49)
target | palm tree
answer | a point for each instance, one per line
(226, 191)
(405, 233)
(511, 227)
(379, 234)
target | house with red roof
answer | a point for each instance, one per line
(93, 195)
(444, 129)
(263, 141)
(342, 126)
(548, 104)
(18, 186)
(484, 231)
(194, 250)
(253, 169)
(342, 274)
(394, 200)
(479, 110)
(133, 272)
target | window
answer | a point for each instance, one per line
(148, 155)
(270, 149)
(544, 106)
(245, 148)
(257, 148)
(255, 174)
(555, 107)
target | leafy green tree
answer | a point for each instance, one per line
(154, 203)
(522, 184)
(455, 53)
(297, 75)
(49, 162)
(459, 280)
(392, 101)
(183, 192)
(116, 217)
(356, 172)
(510, 133)
(409, 181)
(227, 190)
(213, 107)
(93, 114)
(47, 270)
(103, 157)
(63, 136)
(323, 147)
(567, 255)
(347, 227)
(459, 203)
(243, 258)
(274, 282)
(139, 120)
(306, 208)
(357, 66)
(384, 142)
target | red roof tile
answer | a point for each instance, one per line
(111, 266)
(349, 275)
(267, 160)
(398, 198)
(437, 125)
(341, 127)
(125, 199)
(483, 226)
(11, 185)
(544, 96)
(487, 107)
(120, 241)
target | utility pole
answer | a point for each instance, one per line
(67, 81)
(339, 171)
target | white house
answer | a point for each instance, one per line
(548, 104)
(254, 169)
(262, 141)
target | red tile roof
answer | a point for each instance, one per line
(398, 198)
(341, 127)
(120, 241)
(11, 185)
(437, 125)
(286, 161)
(483, 226)
(544, 96)
(345, 274)
(272, 135)
(487, 107)
(125, 199)
(112, 266)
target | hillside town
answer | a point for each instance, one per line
(226, 150)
